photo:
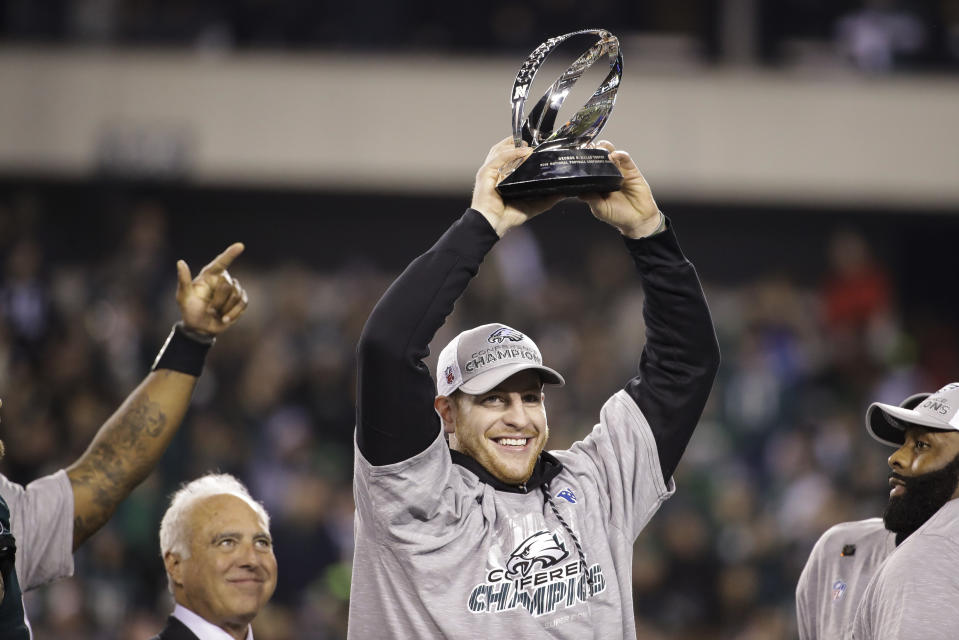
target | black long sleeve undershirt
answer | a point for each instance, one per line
(681, 356)
(395, 416)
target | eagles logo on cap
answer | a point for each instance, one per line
(477, 360)
(505, 333)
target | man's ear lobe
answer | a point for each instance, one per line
(174, 567)
(446, 408)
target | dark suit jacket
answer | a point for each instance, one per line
(174, 630)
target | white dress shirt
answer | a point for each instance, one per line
(201, 628)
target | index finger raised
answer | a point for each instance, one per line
(225, 259)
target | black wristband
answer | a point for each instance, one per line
(183, 351)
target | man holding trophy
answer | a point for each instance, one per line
(488, 534)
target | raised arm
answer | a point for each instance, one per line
(129, 444)
(395, 417)
(681, 354)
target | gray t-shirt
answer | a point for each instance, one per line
(915, 593)
(440, 554)
(831, 585)
(41, 516)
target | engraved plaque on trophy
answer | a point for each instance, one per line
(562, 161)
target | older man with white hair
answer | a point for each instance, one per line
(216, 546)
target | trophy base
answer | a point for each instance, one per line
(562, 171)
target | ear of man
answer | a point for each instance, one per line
(446, 407)
(174, 567)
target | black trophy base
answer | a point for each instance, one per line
(562, 171)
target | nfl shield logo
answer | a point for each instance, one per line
(449, 374)
(838, 589)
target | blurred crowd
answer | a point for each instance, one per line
(874, 35)
(780, 455)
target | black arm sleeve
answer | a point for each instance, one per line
(394, 416)
(681, 355)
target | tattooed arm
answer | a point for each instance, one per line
(126, 448)
(129, 444)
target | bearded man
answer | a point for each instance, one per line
(895, 577)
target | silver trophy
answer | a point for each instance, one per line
(562, 161)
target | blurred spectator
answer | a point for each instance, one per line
(879, 36)
(856, 292)
(25, 296)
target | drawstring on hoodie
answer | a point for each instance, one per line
(579, 548)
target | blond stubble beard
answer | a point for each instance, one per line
(464, 407)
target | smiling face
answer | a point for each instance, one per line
(231, 571)
(925, 475)
(503, 429)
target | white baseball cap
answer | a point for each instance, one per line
(479, 359)
(939, 410)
